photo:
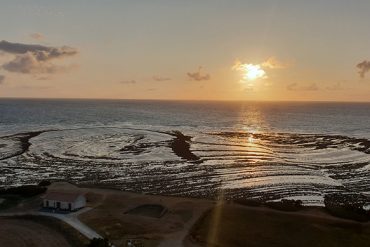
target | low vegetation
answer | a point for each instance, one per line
(283, 205)
(99, 242)
(286, 205)
(24, 191)
(14, 195)
(234, 225)
(44, 183)
(347, 206)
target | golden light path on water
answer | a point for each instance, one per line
(215, 223)
(253, 121)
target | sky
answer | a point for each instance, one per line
(269, 50)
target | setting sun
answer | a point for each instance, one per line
(250, 72)
(253, 72)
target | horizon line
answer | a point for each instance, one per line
(185, 100)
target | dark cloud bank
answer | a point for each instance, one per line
(30, 58)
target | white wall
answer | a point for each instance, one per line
(80, 202)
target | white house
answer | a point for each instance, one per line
(64, 201)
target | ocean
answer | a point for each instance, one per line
(261, 150)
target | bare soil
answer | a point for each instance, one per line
(37, 231)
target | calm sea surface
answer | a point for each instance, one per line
(328, 118)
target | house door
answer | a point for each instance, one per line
(69, 207)
(58, 205)
(47, 204)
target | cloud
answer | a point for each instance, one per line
(41, 52)
(274, 63)
(161, 78)
(43, 78)
(34, 87)
(37, 59)
(128, 82)
(363, 68)
(198, 76)
(2, 78)
(335, 87)
(37, 36)
(292, 86)
(297, 87)
(251, 71)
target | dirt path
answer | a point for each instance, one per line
(71, 219)
(176, 239)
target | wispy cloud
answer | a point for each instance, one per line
(335, 87)
(274, 63)
(128, 82)
(37, 59)
(37, 36)
(43, 78)
(27, 87)
(363, 68)
(297, 87)
(161, 78)
(199, 75)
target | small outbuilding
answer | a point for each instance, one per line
(64, 201)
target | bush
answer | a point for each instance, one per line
(99, 242)
(286, 205)
(249, 202)
(24, 191)
(44, 183)
(347, 206)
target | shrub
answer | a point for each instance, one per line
(286, 205)
(249, 202)
(44, 183)
(24, 191)
(348, 206)
(99, 242)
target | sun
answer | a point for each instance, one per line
(250, 72)
(253, 72)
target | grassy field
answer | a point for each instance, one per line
(234, 225)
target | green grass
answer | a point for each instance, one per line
(242, 226)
